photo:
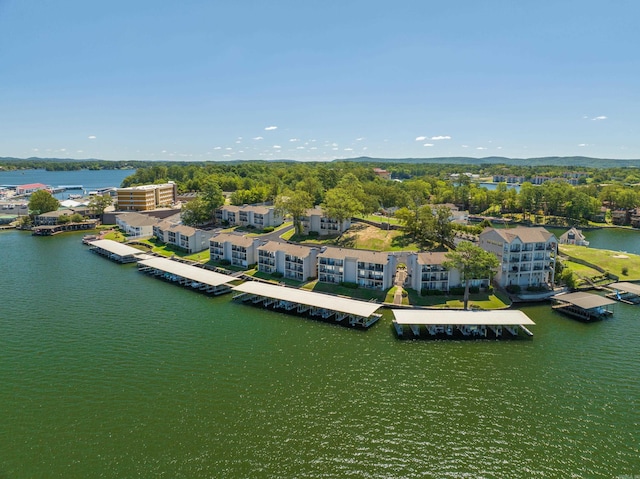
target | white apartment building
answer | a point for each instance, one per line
(368, 269)
(292, 261)
(241, 251)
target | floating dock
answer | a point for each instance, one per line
(50, 230)
(351, 312)
(585, 307)
(625, 292)
(187, 275)
(115, 251)
(436, 323)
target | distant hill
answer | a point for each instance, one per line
(583, 161)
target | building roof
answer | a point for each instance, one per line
(310, 298)
(376, 257)
(30, 186)
(146, 187)
(287, 248)
(578, 234)
(193, 273)
(626, 287)
(116, 248)
(259, 209)
(524, 233)
(584, 300)
(137, 219)
(432, 257)
(235, 239)
(506, 317)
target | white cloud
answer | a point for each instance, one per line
(360, 139)
(583, 144)
(163, 151)
(313, 148)
(238, 141)
(258, 138)
(421, 138)
(300, 148)
(334, 149)
(36, 149)
(348, 149)
(92, 137)
(441, 137)
(365, 148)
(228, 149)
(597, 118)
(481, 148)
(270, 128)
(428, 144)
(277, 146)
(293, 140)
(216, 148)
(465, 146)
(79, 151)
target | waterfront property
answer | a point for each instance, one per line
(527, 255)
(469, 324)
(625, 292)
(317, 305)
(50, 230)
(573, 236)
(428, 273)
(583, 306)
(186, 275)
(256, 216)
(136, 224)
(53, 217)
(291, 261)
(238, 250)
(146, 197)
(369, 269)
(115, 251)
(192, 240)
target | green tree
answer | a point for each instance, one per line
(64, 219)
(76, 218)
(473, 263)
(341, 204)
(42, 202)
(99, 203)
(212, 196)
(195, 212)
(443, 230)
(295, 203)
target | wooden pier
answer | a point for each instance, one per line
(346, 311)
(470, 324)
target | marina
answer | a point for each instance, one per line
(316, 305)
(436, 323)
(186, 275)
(583, 306)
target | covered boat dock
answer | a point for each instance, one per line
(115, 251)
(317, 305)
(461, 323)
(583, 306)
(625, 292)
(186, 275)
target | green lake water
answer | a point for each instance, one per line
(106, 372)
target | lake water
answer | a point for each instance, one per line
(107, 372)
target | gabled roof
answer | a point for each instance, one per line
(234, 239)
(432, 257)
(137, 219)
(292, 249)
(376, 257)
(523, 233)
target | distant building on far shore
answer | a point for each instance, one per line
(146, 197)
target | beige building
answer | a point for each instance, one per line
(292, 261)
(241, 251)
(146, 197)
(369, 269)
(428, 273)
(190, 239)
(527, 255)
(315, 221)
(249, 215)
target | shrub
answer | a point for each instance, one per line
(431, 292)
(457, 291)
(347, 284)
(268, 229)
(514, 288)
(474, 289)
(277, 274)
(313, 234)
(625, 271)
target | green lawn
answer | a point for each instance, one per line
(392, 292)
(611, 261)
(169, 250)
(481, 300)
(381, 219)
(362, 236)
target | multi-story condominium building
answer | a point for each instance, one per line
(316, 221)
(428, 273)
(184, 237)
(368, 269)
(136, 224)
(527, 255)
(292, 261)
(147, 197)
(249, 215)
(239, 250)
(511, 179)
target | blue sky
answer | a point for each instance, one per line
(311, 80)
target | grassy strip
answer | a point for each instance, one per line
(611, 261)
(170, 250)
(356, 293)
(480, 300)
